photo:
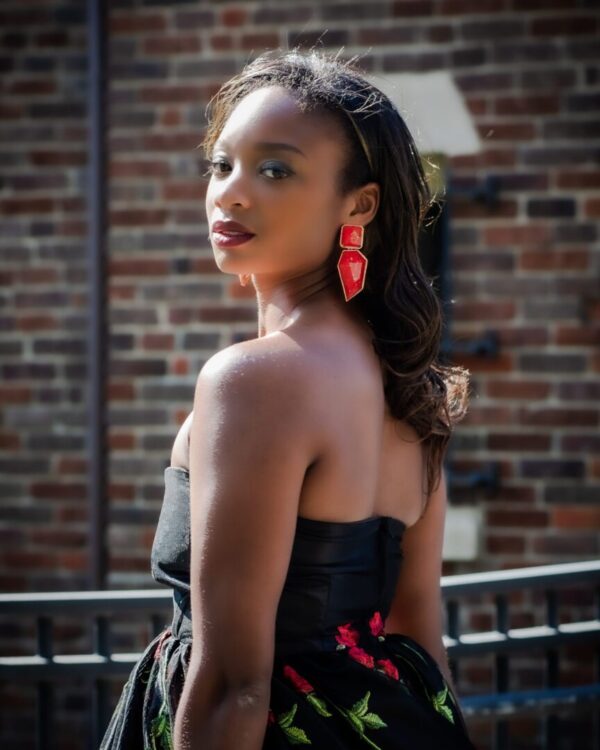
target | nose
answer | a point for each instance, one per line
(231, 190)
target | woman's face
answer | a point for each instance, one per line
(275, 171)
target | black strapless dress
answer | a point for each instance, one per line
(339, 680)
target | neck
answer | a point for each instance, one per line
(281, 302)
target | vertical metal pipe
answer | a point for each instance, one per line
(45, 692)
(96, 216)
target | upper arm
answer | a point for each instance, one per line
(417, 605)
(248, 456)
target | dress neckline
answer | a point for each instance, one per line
(319, 521)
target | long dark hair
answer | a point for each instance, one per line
(398, 300)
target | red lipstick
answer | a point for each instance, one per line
(230, 233)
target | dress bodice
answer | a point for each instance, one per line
(338, 571)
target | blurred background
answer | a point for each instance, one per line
(110, 301)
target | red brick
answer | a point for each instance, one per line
(179, 366)
(135, 217)
(120, 390)
(527, 105)
(71, 465)
(518, 389)
(514, 336)
(412, 8)
(558, 417)
(575, 545)
(576, 517)
(171, 45)
(463, 7)
(16, 206)
(158, 341)
(578, 180)
(469, 209)
(486, 415)
(519, 441)
(542, 260)
(36, 323)
(121, 491)
(9, 440)
(58, 490)
(58, 158)
(260, 41)
(170, 118)
(507, 131)
(484, 311)
(520, 518)
(488, 158)
(184, 191)
(591, 208)
(578, 335)
(526, 234)
(120, 441)
(15, 394)
(173, 94)
(32, 87)
(138, 267)
(503, 362)
(221, 42)
(234, 17)
(563, 25)
(136, 22)
(500, 544)
(141, 168)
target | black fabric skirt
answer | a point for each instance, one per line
(363, 688)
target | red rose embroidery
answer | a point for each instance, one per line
(361, 657)
(376, 625)
(297, 681)
(389, 668)
(347, 635)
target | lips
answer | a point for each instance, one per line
(230, 233)
(230, 227)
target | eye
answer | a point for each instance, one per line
(217, 167)
(276, 170)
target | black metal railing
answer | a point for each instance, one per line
(101, 666)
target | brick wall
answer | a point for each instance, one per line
(526, 268)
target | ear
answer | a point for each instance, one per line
(362, 204)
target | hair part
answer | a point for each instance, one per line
(398, 300)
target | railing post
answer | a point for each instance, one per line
(101, 638)
(502, 680)
(44, 687)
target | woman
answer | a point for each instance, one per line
(312, 460)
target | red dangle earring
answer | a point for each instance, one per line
(352, 264)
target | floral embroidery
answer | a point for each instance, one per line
(361, 719)
(160, 727)
(361, 656)
(295, 735)
(387, 666)
(346, 635)
(439, 703)
(306, 689)
(376, 626)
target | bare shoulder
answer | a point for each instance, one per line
(263, 363)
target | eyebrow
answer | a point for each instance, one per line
(275, 146)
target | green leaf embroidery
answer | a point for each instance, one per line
(360, 716)
(297, 736)
(160, 729)
(439, 703)
(360, 707)
(285, 720)
(318, 704)
(373, 721)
